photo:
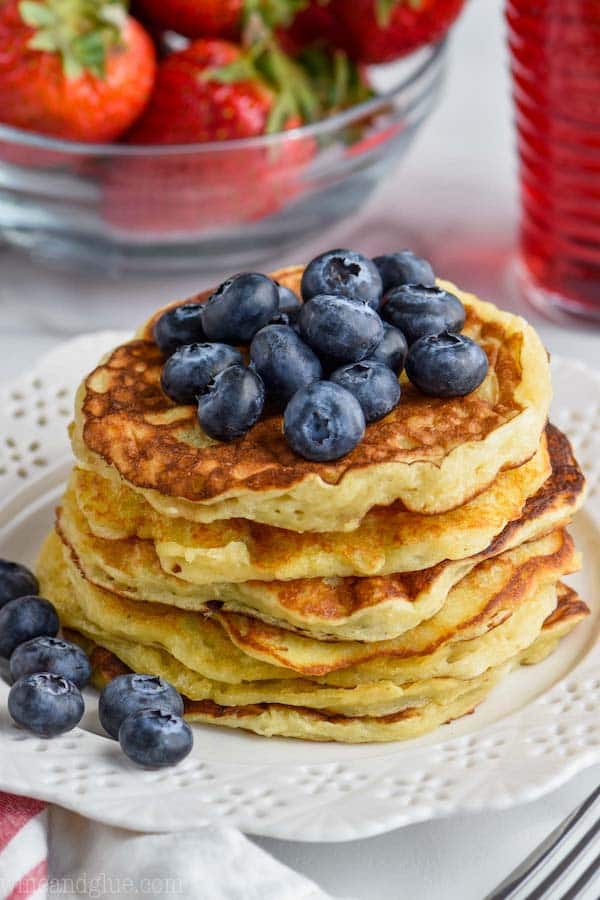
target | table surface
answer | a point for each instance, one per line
(453, 199)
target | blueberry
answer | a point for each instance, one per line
(239, 308)
(373, 384)
(50, 654)
(392, 350)
(340, 328)
(128, 694)
(323, 422)
(404, 267)
(288, 301)
(155, 738)
(418, 310)
(45, 703)
(179, 326)
(281, 318)
(283, 361)
(25, 618)
(232, 404)
(446, 365)
(345, 273)
(187, 373)
(15, 581)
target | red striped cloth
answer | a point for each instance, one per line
(23, 848)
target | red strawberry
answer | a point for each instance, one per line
(378, 31)
(315, 23)
(215, 18)
(193, 18)
(208, 92)
(76, 69)
(190, 106)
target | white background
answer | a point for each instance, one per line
(454, 200)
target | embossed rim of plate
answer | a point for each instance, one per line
(288, 789)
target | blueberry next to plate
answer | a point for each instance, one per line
(373, 384)
(323, 422)
(15, 581)
(340, 328)
(392, 350)
(446, 365)
(283, 361)
(345, 273)
(240, 307)
(128, 694)
(179, 326)
(155, 738)
(232, 404)
(25, 618)
(50, 654)
(45, 703)
(404, 267)
(418, 310)
(187, 373)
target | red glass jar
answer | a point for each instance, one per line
(555, 63)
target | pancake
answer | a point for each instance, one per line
(389, 539)
(194, 639)
(431, 454)
(366, 698)
(201, 644)
(487, 596)
(300, 722)
(365, 609)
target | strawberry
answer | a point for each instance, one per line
(215, 18)
(378, 31)
(315, 23)
(212, 91)
(76, 69)
(190, 106)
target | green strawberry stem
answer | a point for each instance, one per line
(266, 62)
(262, 16)
(83, 32)
(335, 78)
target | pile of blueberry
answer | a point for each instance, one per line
(330, 364)
(142, 711)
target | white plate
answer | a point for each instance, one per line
(536, 730)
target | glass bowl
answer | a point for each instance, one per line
(119, 208)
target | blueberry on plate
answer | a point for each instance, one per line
(45, 703)
(340, 328)
(345, 273)
(418, 310)
(179, 326)
(446, 365)
(232, 404)
(323, 422)
(16, 581)
(404, 267)
(392, 350)
(240, 307)
(283, 361)
(128, 694)
(373, 384)
(288, 302)
(155, 738)
(50, 654)
(25, 618)
(187, 373)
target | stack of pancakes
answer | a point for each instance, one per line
(368, 599)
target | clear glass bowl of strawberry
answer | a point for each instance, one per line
(224, 203)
